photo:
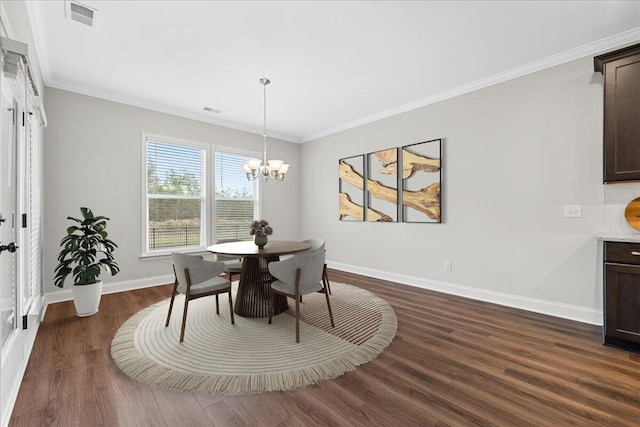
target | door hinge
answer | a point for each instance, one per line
(23, 119)
(25, 325)
(24, 220)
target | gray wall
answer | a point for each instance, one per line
(93, 157)
(514, 154)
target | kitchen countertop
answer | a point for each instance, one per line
(618, 237)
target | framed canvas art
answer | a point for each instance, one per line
(351, 188)
(382, 186)
(421, 180)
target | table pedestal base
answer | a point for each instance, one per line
(253, 298)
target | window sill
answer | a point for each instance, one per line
(152, 256)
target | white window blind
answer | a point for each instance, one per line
(34, 211)
(176, 196)
(236, 197)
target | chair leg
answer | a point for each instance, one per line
(173, 297)
(297, 320)
(233, 322)
(184, 318)
(217, 305)
(325, 279)
(326, 294)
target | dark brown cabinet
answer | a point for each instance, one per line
(622, 295)
(621, 71)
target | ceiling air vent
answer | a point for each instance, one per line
(81, 13)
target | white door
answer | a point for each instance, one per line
(8, 225)
(8, 218)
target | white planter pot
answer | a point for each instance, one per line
(86, 298)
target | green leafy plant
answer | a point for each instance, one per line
(86, 251)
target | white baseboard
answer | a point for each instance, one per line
(565, 311)
(113, 287)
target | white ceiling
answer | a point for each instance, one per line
(333, 65)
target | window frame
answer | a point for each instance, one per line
(208, 227)
(205, 207)
(257, 191)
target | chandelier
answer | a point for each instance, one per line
(271, 168)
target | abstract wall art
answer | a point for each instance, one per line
(382, 186)
(392, 185)
(351, 188)
(421, 178)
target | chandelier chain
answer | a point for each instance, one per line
(265, 82)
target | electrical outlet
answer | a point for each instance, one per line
(573, 211)
(447, 266)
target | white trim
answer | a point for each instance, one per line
(618, 40)
(238, 151)
(9, 404)
(257, 184)
(5, 23)
(205, 219)
(599, 46)
(166, 254)
(565, 311)
(174, 140)
(33, 12)
(8, 344)
(113, 287)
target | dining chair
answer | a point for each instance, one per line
(232, 264)
(196, 278)
(297, 276)
(318, 244)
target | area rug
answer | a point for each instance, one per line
(252, 356)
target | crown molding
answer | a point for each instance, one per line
(600, 46)
(136, 102)
(616, 41)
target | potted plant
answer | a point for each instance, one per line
(86, 251)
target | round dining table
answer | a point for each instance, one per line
(253, 299)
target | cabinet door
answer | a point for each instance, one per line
(622, 119)
(622, 296)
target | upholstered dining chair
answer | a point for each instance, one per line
(232, 264)
(196, 278)
(318, 244)
(297, 276)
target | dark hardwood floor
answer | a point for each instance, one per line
(454, 361)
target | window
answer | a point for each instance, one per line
(184, 212)
(176, 195)
(236, 201)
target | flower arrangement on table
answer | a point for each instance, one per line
(261, 229)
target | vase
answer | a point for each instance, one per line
(260, 240)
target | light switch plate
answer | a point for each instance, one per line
(573, 211)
